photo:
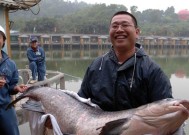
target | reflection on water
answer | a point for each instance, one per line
(87, 52)
(180, 87)
(75, 63)
(73, 85)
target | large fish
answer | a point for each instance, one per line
(74, 117)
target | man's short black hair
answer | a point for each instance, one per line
(126, 13)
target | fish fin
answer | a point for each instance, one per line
(23, 95)
(33, 105)
(113, 127)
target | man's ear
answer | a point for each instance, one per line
(137, 32)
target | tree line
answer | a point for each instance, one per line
(59, 16)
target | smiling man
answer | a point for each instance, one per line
(125, 77)
(123, 34)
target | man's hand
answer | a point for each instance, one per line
(2, 82)
(20, 88)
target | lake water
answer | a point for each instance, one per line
(74, 64)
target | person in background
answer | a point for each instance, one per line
(9, 78)
(36, 57)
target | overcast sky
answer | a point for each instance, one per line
(146, 4)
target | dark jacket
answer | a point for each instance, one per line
(9, 70)
(136, 82)
(38, 56)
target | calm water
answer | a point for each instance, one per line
(75, 62)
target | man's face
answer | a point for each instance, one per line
(123, 32)
(1, 41)
(34, 44)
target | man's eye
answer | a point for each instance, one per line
(114, 26)
(124, 25)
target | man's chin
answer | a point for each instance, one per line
(122, 44)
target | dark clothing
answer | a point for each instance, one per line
(8, 124)
(37, 62)
(112, 86)
(8, 69)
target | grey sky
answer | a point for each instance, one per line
(146, 4)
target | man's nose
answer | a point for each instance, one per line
(120, 28)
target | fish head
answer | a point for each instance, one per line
(164, 116)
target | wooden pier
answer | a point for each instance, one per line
(54, 79)
(152, 44)
(60, 40)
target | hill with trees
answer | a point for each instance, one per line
(59, 16)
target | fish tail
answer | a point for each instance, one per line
(25, 94)
(15, 101)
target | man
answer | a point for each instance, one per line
(125, 77)
(8, 86)
(36, 57)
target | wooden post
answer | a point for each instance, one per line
(8, 33)
(62, 83)
(4, 22)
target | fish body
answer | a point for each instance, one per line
(74, 117)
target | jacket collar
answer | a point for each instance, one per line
(139, 53)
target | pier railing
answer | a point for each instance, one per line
(54, 79)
